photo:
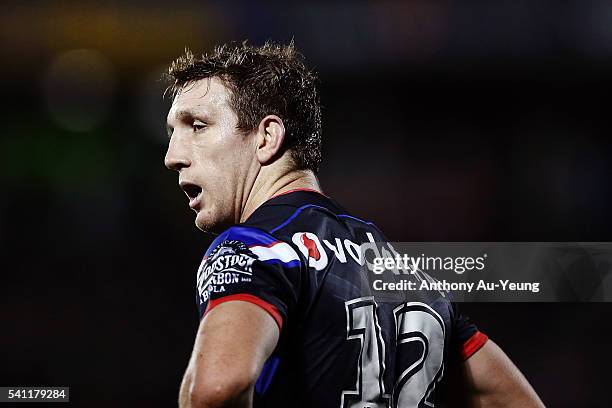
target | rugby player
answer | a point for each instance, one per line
(287, 319)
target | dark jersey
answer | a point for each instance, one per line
(299, 258)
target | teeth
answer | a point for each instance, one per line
(191, 190)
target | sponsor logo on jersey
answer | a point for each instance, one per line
(310, 246)
(344, 250)
(230, 262)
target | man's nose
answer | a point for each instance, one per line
(176, 156)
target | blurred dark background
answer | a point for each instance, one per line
(443, 121)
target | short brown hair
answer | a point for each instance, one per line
(270, 79)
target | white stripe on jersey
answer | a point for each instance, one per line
(280, 250)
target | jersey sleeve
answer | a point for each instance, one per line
(250, 265)
(467, 339)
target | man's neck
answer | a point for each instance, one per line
(298, 179)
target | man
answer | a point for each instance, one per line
(286, 319)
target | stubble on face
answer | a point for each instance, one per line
(220, 157)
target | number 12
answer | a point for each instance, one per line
(414, 322)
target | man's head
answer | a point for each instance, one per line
(235, 112)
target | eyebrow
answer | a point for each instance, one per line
(185, 113)
(190, 113)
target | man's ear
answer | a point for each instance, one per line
(270, 137)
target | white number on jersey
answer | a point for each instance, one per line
(414, 322)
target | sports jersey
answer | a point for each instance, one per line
(298, 257)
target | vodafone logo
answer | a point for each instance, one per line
(311, 248)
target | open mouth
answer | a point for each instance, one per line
(192, 191)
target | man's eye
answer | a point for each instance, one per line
(198, 125)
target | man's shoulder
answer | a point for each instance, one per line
(275, 230)
(248, 240)
(295, 210)
(298, 228)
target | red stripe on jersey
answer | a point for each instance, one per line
(299, 189)
(271, 309)
(473, 344)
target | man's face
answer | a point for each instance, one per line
(214, 159)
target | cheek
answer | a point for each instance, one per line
(210, 162)
(224, 161)
(219, 177)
